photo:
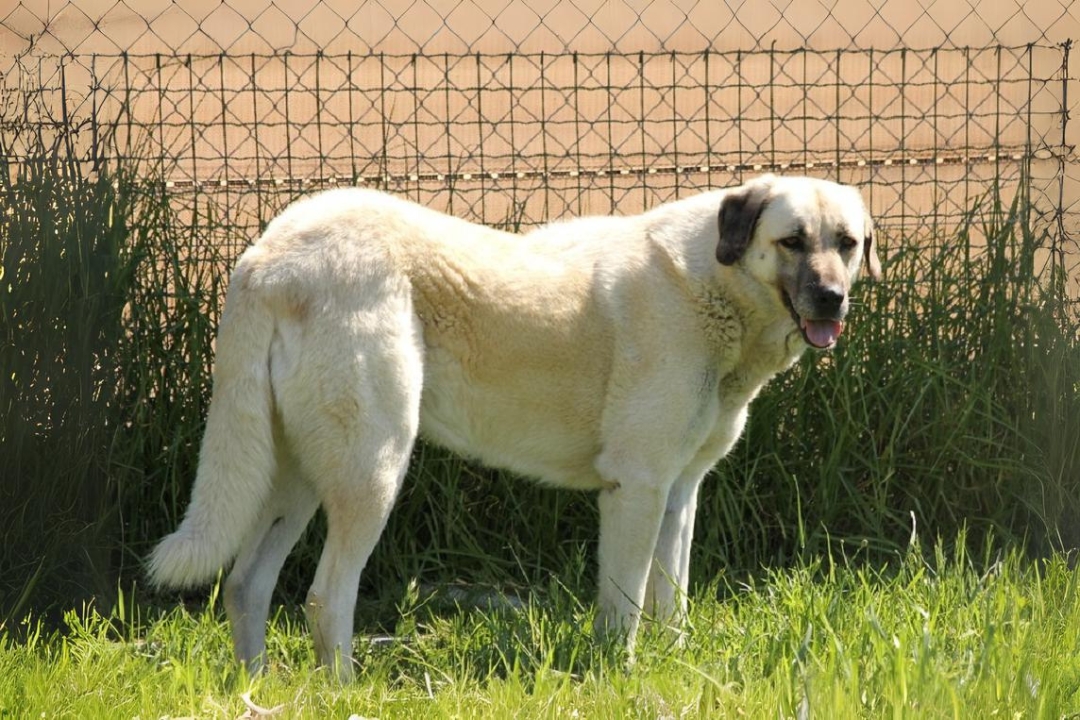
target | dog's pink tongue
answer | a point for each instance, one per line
(822, 333)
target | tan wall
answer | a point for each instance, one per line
(494, 26)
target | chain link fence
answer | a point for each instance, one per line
(511, 114)
(87, 27)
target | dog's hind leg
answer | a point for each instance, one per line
(251, 581)
(360, 417)
(354, 523)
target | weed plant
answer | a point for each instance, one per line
(67, 266)
(105, 334)
(952, 402)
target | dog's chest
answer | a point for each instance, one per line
(745, 366)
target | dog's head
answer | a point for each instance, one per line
(807, 239)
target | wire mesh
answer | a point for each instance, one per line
(519, 137)
(499, 26)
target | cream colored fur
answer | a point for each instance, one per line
(617, 354)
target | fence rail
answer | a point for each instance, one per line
(519, 138)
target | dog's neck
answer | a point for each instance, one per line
(742, 321)
(737, 338)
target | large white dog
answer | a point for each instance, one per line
(617, 354)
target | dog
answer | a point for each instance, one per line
(615, 354)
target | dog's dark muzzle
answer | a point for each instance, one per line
(823, 321)
(829, 302)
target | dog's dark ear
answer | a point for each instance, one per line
(739, 213)
(870, 258)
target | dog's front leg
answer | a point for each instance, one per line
(630, 518)
(669, 575)
(669, 579)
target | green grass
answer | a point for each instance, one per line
(931, 636)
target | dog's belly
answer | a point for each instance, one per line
(552, 436)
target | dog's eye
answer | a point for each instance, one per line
(794, 242)
(848, 243)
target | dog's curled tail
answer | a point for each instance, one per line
(237, 458)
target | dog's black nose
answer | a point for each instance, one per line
(829, 299)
